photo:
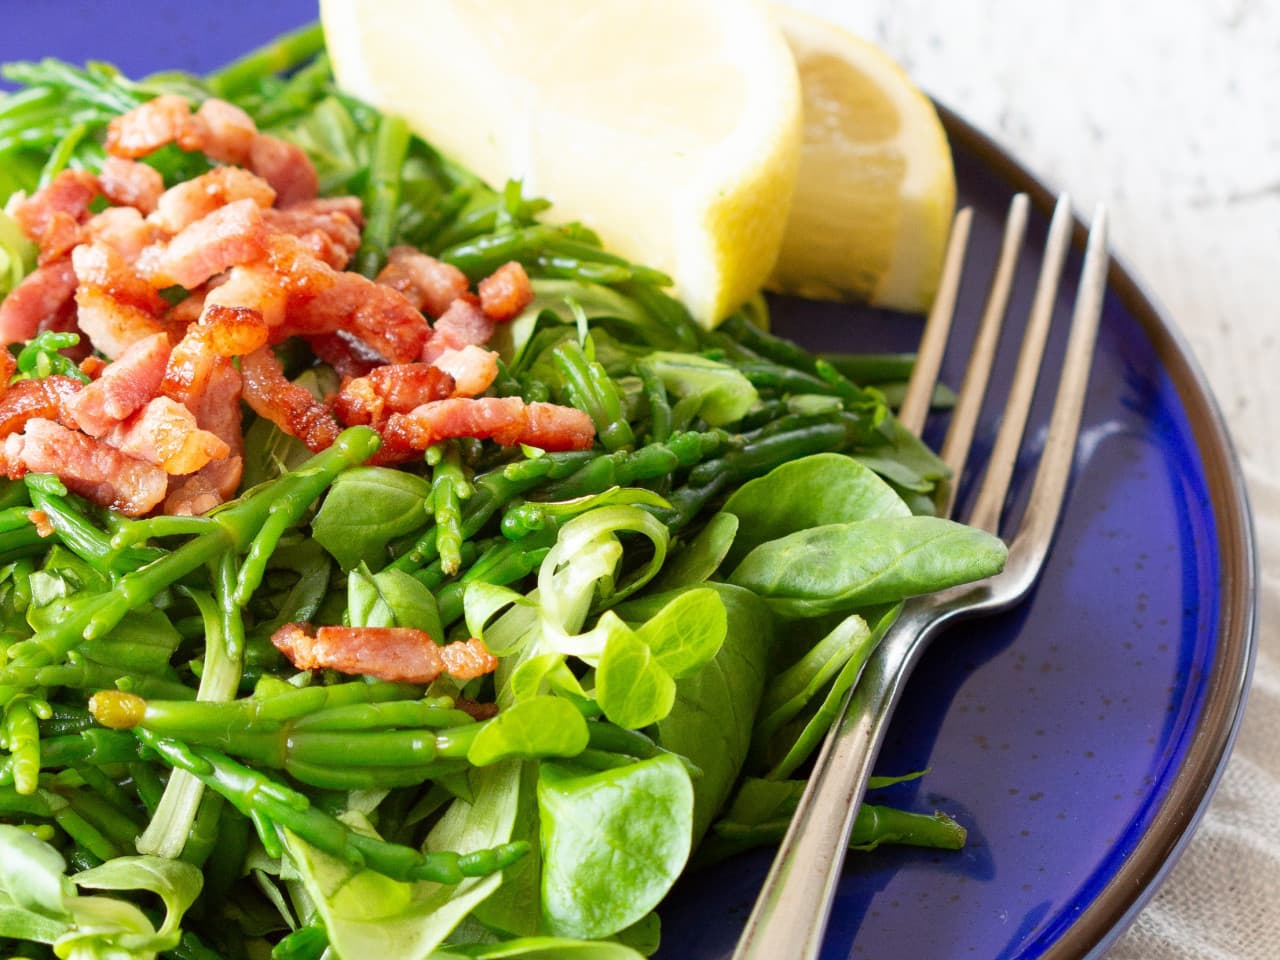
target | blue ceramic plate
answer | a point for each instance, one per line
(1079, 737)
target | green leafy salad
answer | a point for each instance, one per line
(670, 613)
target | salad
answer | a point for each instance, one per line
(385, 565)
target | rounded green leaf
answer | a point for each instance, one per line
(543, 726)
(613, 842)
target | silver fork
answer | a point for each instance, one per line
(790, 916)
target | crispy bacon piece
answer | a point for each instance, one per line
(323, 300)
(349, 357)
(255, 286)
(287, 405)
(127, 183)
(230, 235)
(87, 466)
(110, 324)
(123, 229)
(124, 386)
(151, 125)
(507, 420)
(228, 132)
(44, 294)
(473, 369)
(285, 166)
(222, 332)
(396, 654)
(217, 409)
(185, 203)
(393, 388)
(51, 216)
(505, 292)
(330, 234)
(463, 324)
(8, 367)
(105, 268)
(164, 432)
(429, 284)
(45, 398)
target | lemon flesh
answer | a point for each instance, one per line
(672, 128)
(876, 189)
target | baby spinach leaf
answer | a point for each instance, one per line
(366, 508)
(632, 687)
(723, 393)
(366, 914)
(541, 726)
(391, 598)
(687, 632)
(697, 560)
(613, 842)
(32, 874)
(177, 884)
(809, 492)
(791, 690)
(843, 566)
(710, 721)
(905, 460)
(797, 740)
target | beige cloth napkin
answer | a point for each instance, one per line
(1222, 899)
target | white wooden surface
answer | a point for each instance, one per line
(1170, 114)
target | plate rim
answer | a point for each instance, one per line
(1140, 875)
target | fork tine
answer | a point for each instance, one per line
(1047, 491)
(964, 418)
(986, 511)
(937, 330)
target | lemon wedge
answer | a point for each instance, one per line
(671, 127)
(876, 191)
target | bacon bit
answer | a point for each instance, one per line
(473, 369)
(349, 206)
(285, 166)
(87, 466)
(393, 388)
(217, 409)
(92, 366)
(395, 654)
(331, 235)
(33, 304)
(287, 405)
(46, 398)
(185, 203)
(111, 325)
(123, 229)
(62, 233)
(323, 300)
(65, 199)
(124, 387)
(429, 284)
(228, 131)
(476, 709)
(151, 125)
(507, 420)
(164, 432)
(505, 292)
(104, 268)
(349, 357)
(8, 367)
(127, 183)
(463, 324)
(230, 235)
(44, 527)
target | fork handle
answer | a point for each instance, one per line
(790, 916)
